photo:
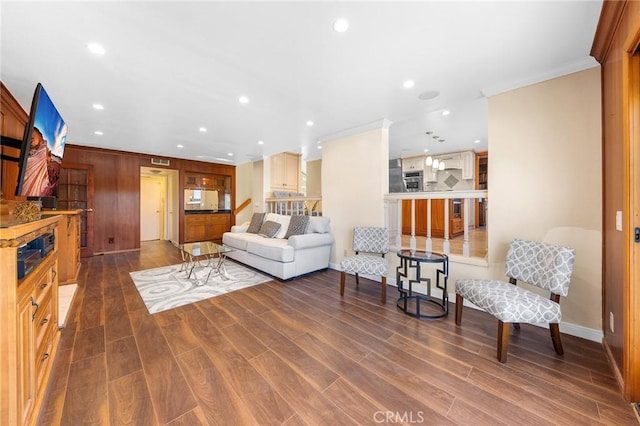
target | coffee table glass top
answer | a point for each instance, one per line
(204, 248)
(423, 256)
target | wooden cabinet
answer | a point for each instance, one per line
(69, 246)
(285, 171)
(468, 164)
(29, 316)
(413, 164)
(206, 181)
(456, 224)
(206, 227)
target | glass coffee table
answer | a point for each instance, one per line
(193, 253)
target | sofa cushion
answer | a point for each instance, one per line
(318, 224)
(269, 229)
(297, 225)
(256, 223)
(239, 240)
(282, 219)
(272, 248)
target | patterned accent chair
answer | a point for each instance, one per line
(542, 265)
(375, 242)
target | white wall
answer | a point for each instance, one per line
(545, 180)
(355, 177)
(244, 190)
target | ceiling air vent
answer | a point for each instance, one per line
(159, 161)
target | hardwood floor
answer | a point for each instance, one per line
(297, 353)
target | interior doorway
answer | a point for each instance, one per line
(159, 214)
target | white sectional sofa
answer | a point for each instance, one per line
(281, 257)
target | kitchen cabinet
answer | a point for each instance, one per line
(468, 162)
(285, 171)
(456, 224)
(206, 227)
(451, 161)
(413, 164)
(29, 317)
(203, 181)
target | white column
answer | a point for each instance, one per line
(446, 246)
(429, 242)
(465, 224)
(412, 241)
(399, 223)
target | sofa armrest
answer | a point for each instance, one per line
(310, 240)
(240, 228)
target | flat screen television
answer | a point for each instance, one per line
(42, 149)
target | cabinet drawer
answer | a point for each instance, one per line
(42, 320)
(42, 287)
(44, 356)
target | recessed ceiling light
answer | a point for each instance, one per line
(96, 48)
(309, 123)
(98, 106)
(446, 112)
(260, 142)
(476, 141)
(98, 132)
(319, 146)
(429, 94)
(203, 129)
(318, 141)
(243, 100)
(230, 154)
(340, 25)
(426, 150)
(408, 84)
(180, 145)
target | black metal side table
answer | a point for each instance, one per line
(414, 260)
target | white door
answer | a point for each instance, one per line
(151, 205)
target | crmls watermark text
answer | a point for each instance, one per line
(398, 417)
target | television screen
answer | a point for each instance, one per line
(42, 148)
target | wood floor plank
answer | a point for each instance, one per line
(354, 402)
(169, 390)
(467, 415)
(194, 417)
(122, 358)
(52, 411)
(89, 342)
(265, 405)
(130, 402)
(219, 404)
(308, 403)
(179, 337)
(86, 398)
(117, 323)
(244, 342)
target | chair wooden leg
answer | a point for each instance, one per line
(342, 283)
(459, 303)
(357, 281)
(503, 340)
(384, 290)
(516, 325)
(555, 338)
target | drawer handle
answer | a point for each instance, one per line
(45, 356)
(44, 321)
(33, 303)
(54, 274)
(43, 286)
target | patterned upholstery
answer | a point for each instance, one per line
(509, 303)
(375, 242)
(546, 266)
(371, 240)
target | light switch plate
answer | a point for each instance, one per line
(618, 221)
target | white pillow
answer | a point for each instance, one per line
(282, 219)
(318, 224)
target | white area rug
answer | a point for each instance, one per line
(167, 287)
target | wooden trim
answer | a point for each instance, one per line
(242, 206)
(607, 26)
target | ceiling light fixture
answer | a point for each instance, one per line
(230, 154)
(243, 100)
(96, 48)
(446, 112)
(476, 141)
(429, 94)
(309, 123)
(340, 25)
(319, 146)
(180, 145)
(98, 132)
(98, 106)
(203, 129)
(260, 142)
(408, 84)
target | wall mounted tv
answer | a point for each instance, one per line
(42, 148)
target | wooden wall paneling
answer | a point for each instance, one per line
(616, 38)
(12, 124)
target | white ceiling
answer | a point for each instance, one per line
(172, 67)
